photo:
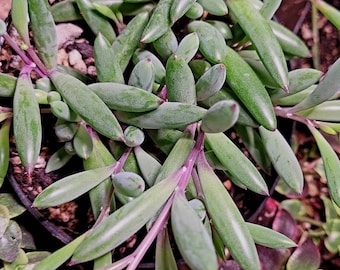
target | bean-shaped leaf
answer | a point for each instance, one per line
(227, 94)
(211, 42)
(238, 166)
(133, 136)
(7, 85)
(192, 239)
(220, 117)
(44, 32)
(249, 89)
(58, 160)
(260, 33)
(128, 184)
(167, 116)
(283, 158)
(87, 104)
(65, 130)
(26, 122)
(20, 19)
(324, 91)
(72, 186)
(180, 82)
(159, 22)
(210, 82)
(268, 237)
(214, 7)
(226, 217)
(179, 8)
(60, 256)
(222, 27)
(188, 46)
(125, 98)
(157, 64)
(165, 258)
(166, 45)
(124, 222)
(331, 164)
(61, 110)
(96, 22)
(107, 65)
(195, 11)
(143, 75)
(127, 42)
(4, 150)
(82, 142)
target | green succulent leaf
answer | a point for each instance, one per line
(124, 222)
(226, 217)
(269, 238)
(72, 186)
(283, 158)
(44, 32)
(192, 239)
(331, 164)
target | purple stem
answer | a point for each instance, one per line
(16, 48)
(42, 70)
(152, 234)
(197, 183)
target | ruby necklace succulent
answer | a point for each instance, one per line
(174, 80)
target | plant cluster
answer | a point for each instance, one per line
(179, 73)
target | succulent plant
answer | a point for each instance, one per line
(173, 77)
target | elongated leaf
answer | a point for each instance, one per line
(26, 123)
(99, 157)
(20, 18)
(283, 158)
(326, 111)
(165, 259)
(260, 33)
(239, 167)
(125, 221)
(192, 239)
(188, 47)
(226, 217)
(71, 187)
(148, 165)
(87, 104)
(180, 81)
(331, 13)
(44, 32)
(127, 42)
(107, 65)
(325, 90)
(143, 75)
(7, 85)
(82, 142)
(331, 164)
(125, 98)
(4, 149)
(166, 45)
(60, 256)
(97, 22)
(58, 160)
(166, 116)
(268, 237)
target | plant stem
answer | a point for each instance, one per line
(152, 234)
(316, 38)
(311, 221)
